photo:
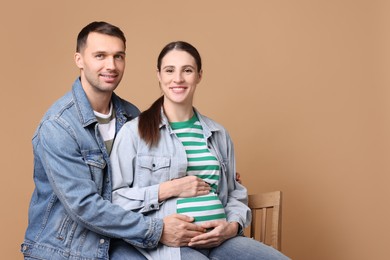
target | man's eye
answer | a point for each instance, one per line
(119, 56)
(99, 56)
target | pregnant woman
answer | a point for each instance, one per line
(174, 160)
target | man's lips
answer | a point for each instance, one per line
(109, 78)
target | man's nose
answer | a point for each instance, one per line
(110, 63)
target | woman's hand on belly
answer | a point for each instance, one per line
(219, 232)
(185, 187)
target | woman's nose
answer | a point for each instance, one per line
(178, 77)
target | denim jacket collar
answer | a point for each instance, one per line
(85, 110)
(208, 125)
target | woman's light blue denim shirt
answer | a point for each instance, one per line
(139, 169)
(71, 215)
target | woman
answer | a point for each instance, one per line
(172, 159)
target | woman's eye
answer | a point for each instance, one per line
(169, 70)
(188, 70)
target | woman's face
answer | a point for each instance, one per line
(178, 77)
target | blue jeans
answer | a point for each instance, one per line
(120, 250)
(238, 247)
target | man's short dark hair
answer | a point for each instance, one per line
(98, 27)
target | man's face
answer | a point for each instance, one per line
(101, 63)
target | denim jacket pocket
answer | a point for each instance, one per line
(95, 160)
(153, 169)
(66, 228)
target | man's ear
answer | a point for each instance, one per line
(78, 59)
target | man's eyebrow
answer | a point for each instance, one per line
(105, 52)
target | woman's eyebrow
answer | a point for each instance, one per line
(172, 66)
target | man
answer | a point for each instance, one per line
(71, 215)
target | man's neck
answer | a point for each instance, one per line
(100, 101)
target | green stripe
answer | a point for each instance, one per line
(197, 151)
(197, 127)
(205, 158)
(194, 143)
(200, 208)
(186, 124)
(213, 187)
(211, 217)
(203, 168)
(210, 177)
(196, 135)
(196, 199)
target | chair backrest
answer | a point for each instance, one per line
(266, 223)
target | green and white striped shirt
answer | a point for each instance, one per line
(202, 164)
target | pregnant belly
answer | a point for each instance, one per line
(202, 208)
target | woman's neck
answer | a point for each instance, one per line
(178, 112)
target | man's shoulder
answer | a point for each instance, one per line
(60, 105)
(125, 106)
(57, 111)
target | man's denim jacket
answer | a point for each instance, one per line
(71, 215)
(138, 170)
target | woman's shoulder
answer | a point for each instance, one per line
(131, 125)
(211, 123)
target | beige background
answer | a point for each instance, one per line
(302, 86)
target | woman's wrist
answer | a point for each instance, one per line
(165, 190)
(236, 228)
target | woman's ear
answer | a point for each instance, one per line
(200, 74)
(158, 75)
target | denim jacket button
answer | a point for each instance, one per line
(24, 248)
(101, 241)
(152, 206)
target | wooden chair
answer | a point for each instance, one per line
(266, 227)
